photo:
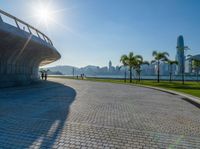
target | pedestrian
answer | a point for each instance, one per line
(45, 76)
(42, 75)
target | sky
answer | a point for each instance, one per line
(92, 32)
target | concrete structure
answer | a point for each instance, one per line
(180, 57)
(23, 49)
(188, 66)
(195, 57)
(188, 63)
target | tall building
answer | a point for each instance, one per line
(109, 65)
(180, 57)
(164, 69)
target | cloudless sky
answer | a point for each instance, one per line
(92, 32)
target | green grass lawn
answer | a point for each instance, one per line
(192, 88)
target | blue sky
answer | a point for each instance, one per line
(92, 32)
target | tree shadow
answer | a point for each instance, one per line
(34, 116)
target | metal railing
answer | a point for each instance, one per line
(29, 27)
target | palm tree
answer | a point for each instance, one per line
(171, 63)
(140, 62)
(123, 61)
(158, 57)
(130, 60)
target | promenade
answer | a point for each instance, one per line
(63, 113)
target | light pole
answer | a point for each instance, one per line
(73, 72)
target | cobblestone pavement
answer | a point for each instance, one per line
(81, 114)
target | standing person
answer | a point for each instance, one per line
(42, 75)
(45, 76)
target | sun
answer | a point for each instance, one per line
(48, 15)
(44, 14)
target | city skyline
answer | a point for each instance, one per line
(95, 33)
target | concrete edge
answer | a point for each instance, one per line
(192, 99)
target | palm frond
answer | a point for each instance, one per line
(166, 54)
(153, 61)
(123, 59)
(174, 62)
(164, 59)
(171, 62)
(145, 63)
(139, 57)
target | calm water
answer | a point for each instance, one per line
(191, 78)
(188, 77)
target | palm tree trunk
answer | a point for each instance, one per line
(183, 80)
(170, 73)
(139, 76)
(125, 76)
(158, 80)
(170, 76)
(130, 75)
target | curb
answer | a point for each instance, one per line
(189, 98)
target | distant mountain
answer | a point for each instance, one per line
(91, 70)
(66, 70)
(54, 73)
(88, 70)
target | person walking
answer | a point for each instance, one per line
(42, 75)
(45, 76)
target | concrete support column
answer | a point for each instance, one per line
(1, 19)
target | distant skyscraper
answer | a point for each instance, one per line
(180, 57)
(110, 65)
(164, 69)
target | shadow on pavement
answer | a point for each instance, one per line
(34, 116)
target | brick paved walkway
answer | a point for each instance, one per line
(81, 114)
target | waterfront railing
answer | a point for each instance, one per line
(23, 25)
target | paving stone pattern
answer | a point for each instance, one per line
(81, 114)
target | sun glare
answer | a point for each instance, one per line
(44, 15)
(47, 15)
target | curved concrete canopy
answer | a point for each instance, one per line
(22, 52)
